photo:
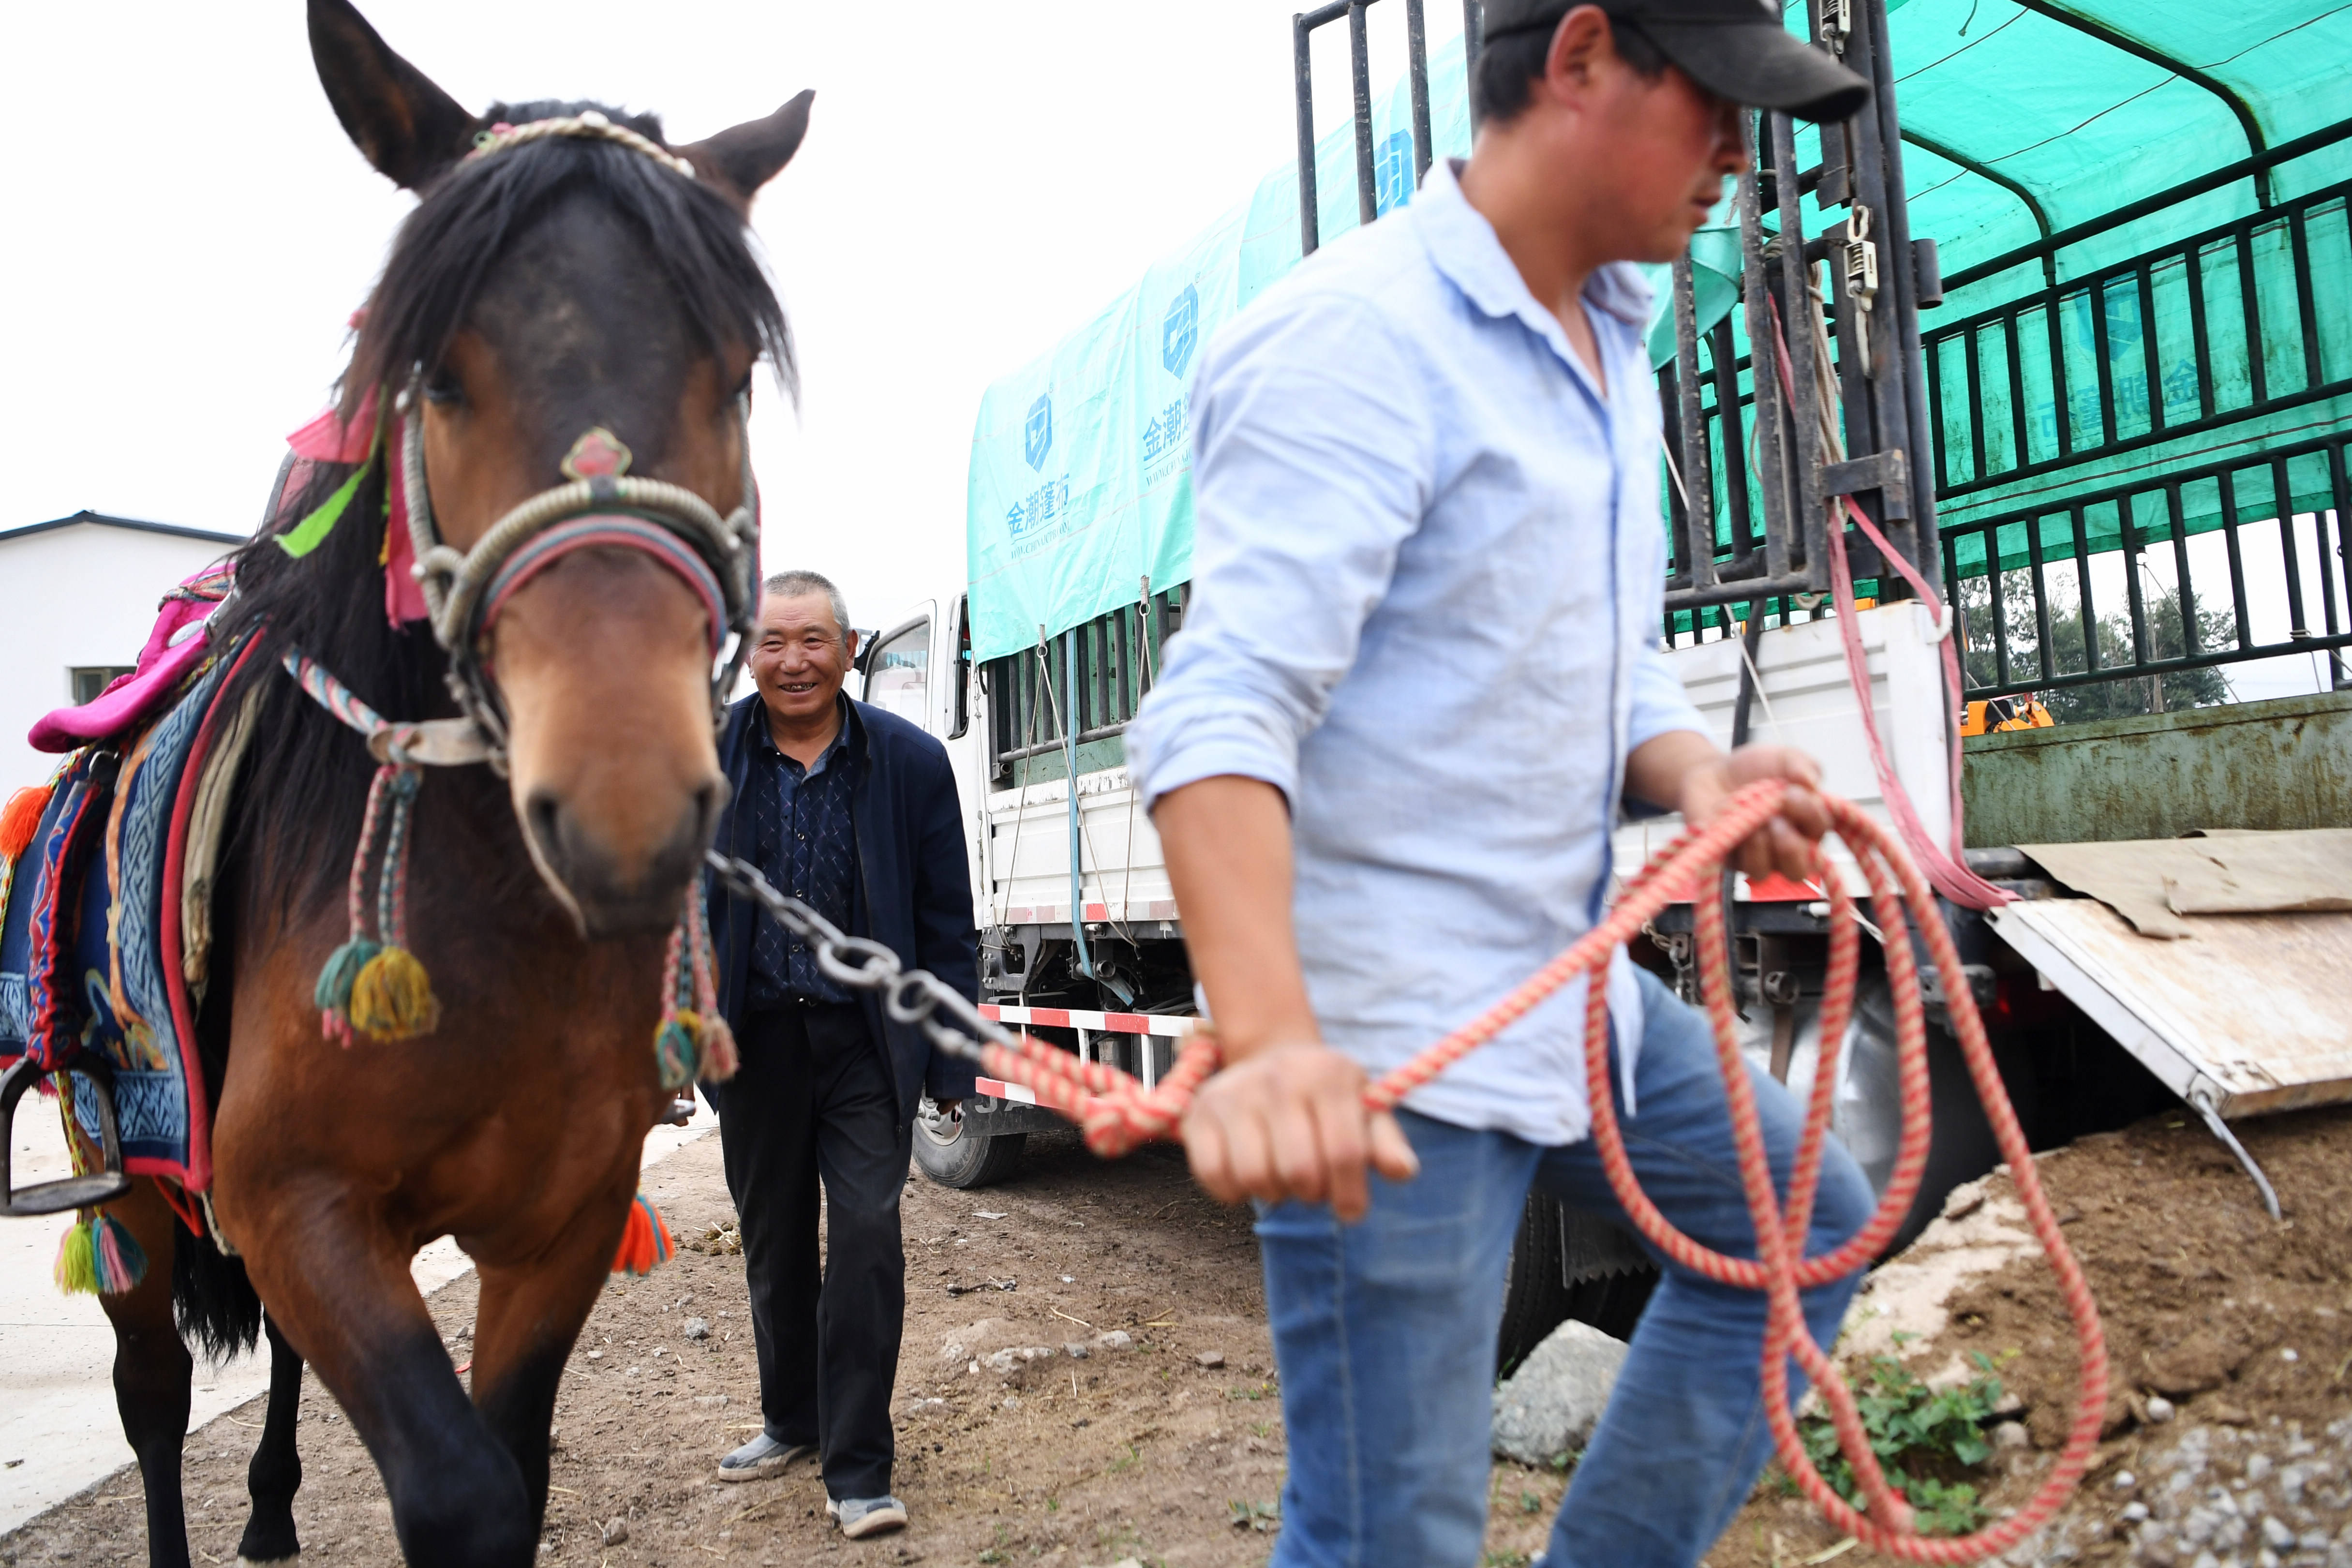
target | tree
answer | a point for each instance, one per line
(2122, 698)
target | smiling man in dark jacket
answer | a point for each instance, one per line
(852, 810)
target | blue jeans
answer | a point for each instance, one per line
(1385, 1333)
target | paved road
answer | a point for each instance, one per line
(59, 1429)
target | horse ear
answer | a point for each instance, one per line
(408, 127)
(743, 158)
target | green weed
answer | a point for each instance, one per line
(1262, 1517)
(1916, 1431)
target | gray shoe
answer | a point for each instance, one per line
(763, 1457)
(862, 1517)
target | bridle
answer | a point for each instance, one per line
(718, 558)
(465, 591)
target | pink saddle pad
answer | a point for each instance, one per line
(174, 648)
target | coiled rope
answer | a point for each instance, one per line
(1118, 1114)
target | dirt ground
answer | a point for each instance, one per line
(2241, 1324)
(1140, 1451)
(1170, 1450)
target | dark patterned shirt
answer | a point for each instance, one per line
(804, 841)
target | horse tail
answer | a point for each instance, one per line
(218, 1310)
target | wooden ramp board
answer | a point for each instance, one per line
(2250, 1013)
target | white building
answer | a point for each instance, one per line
(78, 598)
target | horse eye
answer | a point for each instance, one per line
(442, 387)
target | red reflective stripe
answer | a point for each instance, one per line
(1169, 1025)
(1097, 911)
(1774, 889)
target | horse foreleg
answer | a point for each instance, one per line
(340, 1290)
(151, 1372)
(277, 1470)
(524, 1328)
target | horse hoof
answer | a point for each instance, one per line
(293, 1562)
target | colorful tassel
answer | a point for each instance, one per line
(392, 997)
(692, 1040)
(373, 983)
(720, 1057)
(333, 995)
(676, 1050)
(99, 1257)
(122, 1262)
(76, 1269)
(645, 1242)
(20, 818)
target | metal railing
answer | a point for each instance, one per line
(2033, 614)
(1302, 31)
(1115, 658)
(1749, 489)
(2133, 355)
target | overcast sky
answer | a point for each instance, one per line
(189, 228)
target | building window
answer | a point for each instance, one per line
(90, 679)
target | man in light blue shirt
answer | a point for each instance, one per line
(1419, 679)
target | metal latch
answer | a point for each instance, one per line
(1861, 271)
(1837, 23)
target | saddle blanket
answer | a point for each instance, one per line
(105, 929)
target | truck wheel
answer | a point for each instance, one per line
(955, 1157)
(1553, 1247)
(1960, 1146)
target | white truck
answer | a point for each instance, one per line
(2138, 528)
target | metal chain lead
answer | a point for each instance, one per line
(913, 997)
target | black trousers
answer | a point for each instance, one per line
(814, 1102)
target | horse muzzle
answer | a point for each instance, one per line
(609, 893)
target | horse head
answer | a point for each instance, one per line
(574, 300)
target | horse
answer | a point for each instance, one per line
(568, 282)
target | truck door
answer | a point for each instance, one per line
(899, 671)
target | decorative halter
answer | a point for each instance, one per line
(373, 984)
(600, 506)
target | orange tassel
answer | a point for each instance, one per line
(645, 1243)
(20, 817)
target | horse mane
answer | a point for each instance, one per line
(467, 218)
(297, 816)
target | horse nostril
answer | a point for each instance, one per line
(544, 814)
(708, 802)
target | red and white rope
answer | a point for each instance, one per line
(1118, 1114)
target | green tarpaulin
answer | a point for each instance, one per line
(1081, 462)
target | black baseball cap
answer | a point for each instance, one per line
(1736, 49)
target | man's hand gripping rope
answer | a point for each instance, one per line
(1118, 1114)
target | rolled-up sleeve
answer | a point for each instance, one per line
(1312, 465)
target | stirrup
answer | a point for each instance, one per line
(101, 1187)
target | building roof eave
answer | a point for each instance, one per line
(135, 525)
